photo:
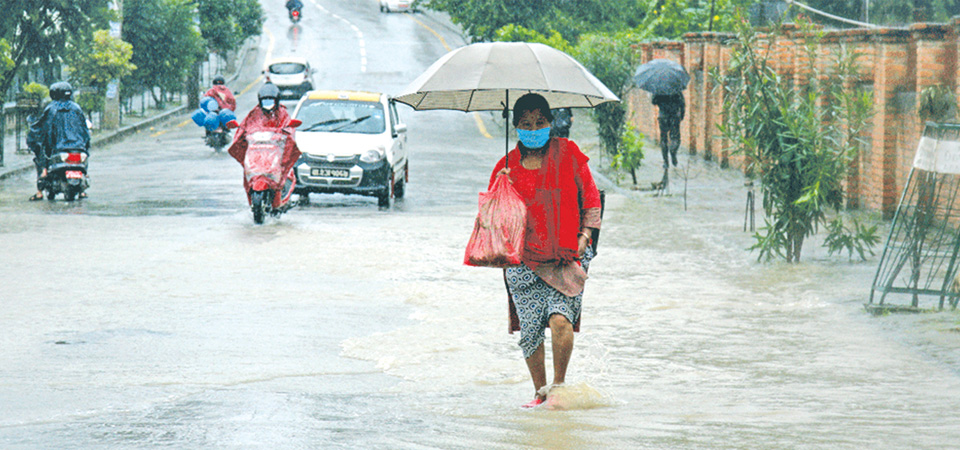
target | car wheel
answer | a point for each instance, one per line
(399, 188)
(384, 197)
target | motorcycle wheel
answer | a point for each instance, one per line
(258, 203)
(71, 193)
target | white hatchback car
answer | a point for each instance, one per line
(396, 5)
(292, 75)
(353, 142)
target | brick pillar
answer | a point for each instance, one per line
(892, 75)
(693, 57)
(711, 57)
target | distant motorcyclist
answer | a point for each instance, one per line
(294, 5)
(61, 127)
(222, 94)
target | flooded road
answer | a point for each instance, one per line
(155, 314)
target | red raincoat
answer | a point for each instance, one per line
(224, 97)
(258, 120)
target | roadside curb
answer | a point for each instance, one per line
(107, 139)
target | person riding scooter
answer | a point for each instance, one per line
(294, 5)
(222, 94)
(268, 115)
(61, 127)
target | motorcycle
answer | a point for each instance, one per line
(217, 139)
(268, 184)
(67, 174)
(294, 15)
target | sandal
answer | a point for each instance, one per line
(36, 197)
(537, 401)
(82, 195)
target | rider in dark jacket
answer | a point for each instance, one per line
(62, 126)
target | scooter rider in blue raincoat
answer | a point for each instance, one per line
(61, 127)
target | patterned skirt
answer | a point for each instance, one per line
(536, 301)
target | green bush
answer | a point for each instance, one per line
(37, 90)
(798, 140)
(630, 153)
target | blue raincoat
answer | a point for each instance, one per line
(63, 127)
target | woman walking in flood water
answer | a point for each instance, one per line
(563, 211)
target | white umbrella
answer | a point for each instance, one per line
(486, 76)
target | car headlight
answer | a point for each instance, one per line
(371, 156)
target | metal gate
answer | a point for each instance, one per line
(920, 256)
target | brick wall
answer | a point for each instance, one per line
(896, 64)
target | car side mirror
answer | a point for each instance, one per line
(232, 124)
(400, 128)
(295, 123)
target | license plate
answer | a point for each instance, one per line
(330, 173)
(74, 174)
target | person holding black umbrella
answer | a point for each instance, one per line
(665, 80)
(672, 108)
(563, 212)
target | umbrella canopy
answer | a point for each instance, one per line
(661, 77)
(484, 76)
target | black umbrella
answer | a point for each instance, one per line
(661, 77)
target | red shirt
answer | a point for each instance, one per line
(556, 196)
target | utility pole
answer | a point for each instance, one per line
(111, 105)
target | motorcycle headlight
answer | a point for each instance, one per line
(371, 156)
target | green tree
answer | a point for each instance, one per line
(516, 33)
(481, 19)
(101, 59)
(225, 24)
(165, 40)
(887, 12)
(95, 62)
(6, 62)
(612, 59)
(799, 140)
(39, 30)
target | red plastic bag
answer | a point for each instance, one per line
(497, 239)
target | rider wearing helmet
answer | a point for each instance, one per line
(61, 127)
(269, 114)
(222, 94)
(268, 104)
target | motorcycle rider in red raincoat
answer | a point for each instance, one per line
(269, 114)
(222, 94)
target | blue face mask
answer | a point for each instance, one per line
(535, 138)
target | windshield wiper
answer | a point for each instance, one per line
(325, 122)
(352, 122)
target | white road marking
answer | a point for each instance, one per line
(356, 29)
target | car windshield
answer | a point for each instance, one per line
(287, 68)
(342, 116)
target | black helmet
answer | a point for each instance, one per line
(269, 91)
(219, 80)
(61, 90)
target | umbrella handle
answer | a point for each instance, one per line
(506, 127)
